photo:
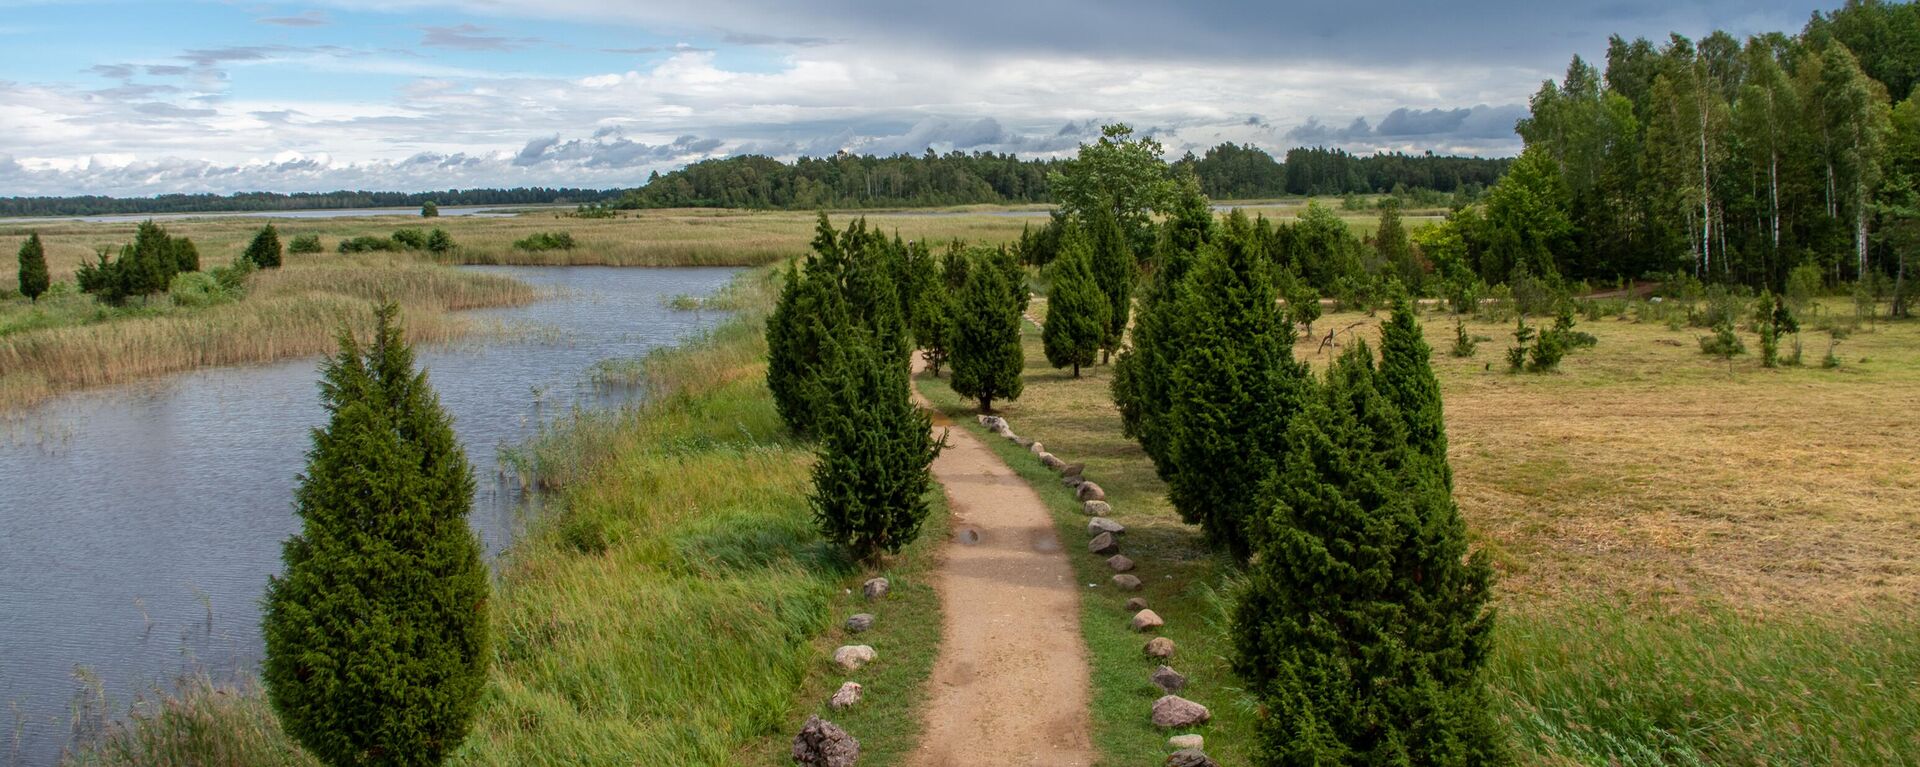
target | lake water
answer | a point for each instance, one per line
(138, 524)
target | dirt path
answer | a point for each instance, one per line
(1010, 686)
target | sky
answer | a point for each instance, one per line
(141, 97)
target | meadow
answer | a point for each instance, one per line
(1698, 563)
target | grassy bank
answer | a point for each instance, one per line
(671, 602)
(1697, 565)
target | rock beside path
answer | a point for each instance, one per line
(1190, 757)
(1146, 620)
(1171, 681)
(1074, 469)
(823, 744)
(1037, 449)
(1160, 647)
(1195, 742)
(1096, 508)
(1120, 563)
(852, 657)
(1091, 492)
(1099, 525)
(1174, 711)
(1050, 461)
(876, 588)
(1126, 582)
(1136, 604)
(846, 696)
(860, 623)
(1103, 544)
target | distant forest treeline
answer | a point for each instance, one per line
(93, 205)
(957, 178)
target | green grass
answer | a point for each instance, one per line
(1182, 581)
(1605, 686)
(671, 602)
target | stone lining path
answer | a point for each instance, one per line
(1011, 684)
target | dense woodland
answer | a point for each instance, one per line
(1727, 160)
(95, 205)
(849, 181)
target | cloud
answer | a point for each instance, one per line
(608, 149)
(1317, 133)
(308, 19)
(112, 71)
(208, 57)
(1476, 129)
(744, 38)
(472, 37)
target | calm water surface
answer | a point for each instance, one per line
(138, 524)
(453, 211)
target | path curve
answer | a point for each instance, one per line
(1011, 684)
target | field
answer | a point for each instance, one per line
(1697, 565)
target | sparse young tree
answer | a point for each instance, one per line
(376, 634)
(1114, 270)
(1077, 311)
(264, 251)
(34, 280)
(932, 316)
(1363, 625)
(430, 209)
(987, 357)
(871, 480)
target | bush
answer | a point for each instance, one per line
(1533, 295)
(264, 250)
(196, 290)
(376, 633)
(369, 244)
(439, 242)
(1723, 343)
(1464, 343)
(33, 276)
(870, 483)
(1517, 354)
(543, 241)
(306, 243)
(410, 238)
(1804, 284)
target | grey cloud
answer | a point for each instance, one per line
(112, 71)
(747, 38)
(163, 109)
(308, 19)
(650, 49)
(1315, 132)
(1477, 126)
(1410, 122)
(168, 70)
(207, 57)
(608, 149)
(471, 37)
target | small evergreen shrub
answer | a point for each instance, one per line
(410, 238)
(544, 241)
(439, 242)
(33, 276)
(871, 480)
(306, 243)
(1077, 310)
(264, 251)
(1517, 354)
(1464, 344)
(369, 244)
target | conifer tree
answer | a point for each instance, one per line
(376, 634)
(797, 334)
(34, 280)
(1363, 624)
(1407, 379)
(264, 251)
(871, 480)
(987, 357)
(932, 317)
(1233, 386)
(1142, 373)
(1077, 311)
(1115, 270)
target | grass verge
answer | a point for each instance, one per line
(670, 604)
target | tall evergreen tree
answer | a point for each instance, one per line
(264, 251)
(376, 634)
(871, 480)
(1115, 270)
(932, 316)
(34, 280)
(1233, 385)
(1077, 311)
(1363, 625)
(987, 357)
(1142, 376)
(1407, 380)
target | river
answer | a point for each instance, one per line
(138, 524)
(451, 211)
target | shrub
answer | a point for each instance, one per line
(1077, 310)
(1464, 344)
(439, 242)
(145, 267)
(429, 209)
(306, 243)
(410, 238)
(34, 279)
(1533, 295)
(1517, 354)
(195, 290)
(376, 634)
(987, 356)
(264, 250)
(543, 241)
(368, 244)
(870, 483)
(1723, 343)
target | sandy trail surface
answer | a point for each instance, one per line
(1011, 684)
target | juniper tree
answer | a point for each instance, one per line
(376, 633)
(429, 209)
(932, 317)
(870, 483)
(846, 282)
(264, 251)
(797, 336)
(1363, 624)
(1406, 377)
(987, 357)
(1142, 376)
(1232, 387)
(1114, 270)
(34, 280)
(1077, 311)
